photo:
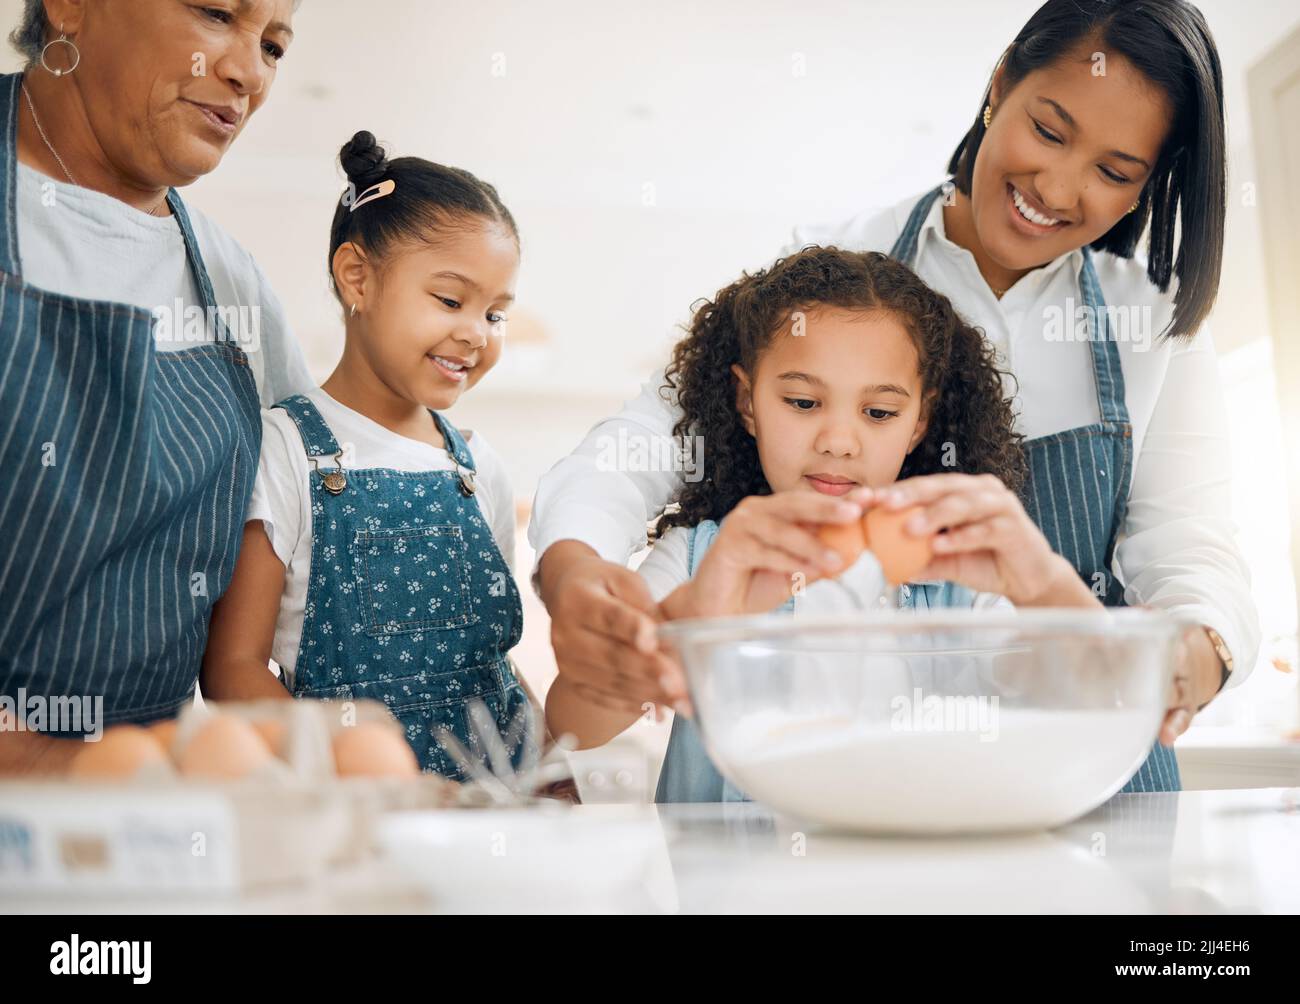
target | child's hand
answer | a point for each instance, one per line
(764, 542)
(986, 540)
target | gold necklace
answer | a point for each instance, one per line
(50, 146)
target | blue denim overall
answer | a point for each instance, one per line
(688, 773)
(127, 473)
(1079, 480)
(409, 600)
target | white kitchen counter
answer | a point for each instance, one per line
(1194, 852)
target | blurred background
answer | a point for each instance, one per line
(650, 151)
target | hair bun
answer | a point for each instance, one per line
(363, 160)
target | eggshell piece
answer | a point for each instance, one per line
(121, 752)
(901, 555)
(846, 539)
(373, 749)
(224, 748)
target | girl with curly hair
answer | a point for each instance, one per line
(814, 386)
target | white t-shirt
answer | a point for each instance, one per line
(79, 242)
(859, 587)
(282, 495)
(1176, 549)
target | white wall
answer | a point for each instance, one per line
(736, 120)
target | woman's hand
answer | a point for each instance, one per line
(1198, 673)
(985, 540)
(763, 546)
(603, 630)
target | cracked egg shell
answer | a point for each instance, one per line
(848, 540)
(901, 555)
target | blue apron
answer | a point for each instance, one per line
(1077, 495)
(127, 473)
(409, 600)
(1079, 480)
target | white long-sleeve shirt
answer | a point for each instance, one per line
(1177, 549)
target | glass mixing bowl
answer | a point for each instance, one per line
(930, 721)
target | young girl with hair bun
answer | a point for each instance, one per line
(376, 557)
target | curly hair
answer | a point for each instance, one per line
(971, 421)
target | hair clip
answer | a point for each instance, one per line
(374, 192)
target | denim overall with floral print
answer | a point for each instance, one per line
(409, 600)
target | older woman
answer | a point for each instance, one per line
(137, 341)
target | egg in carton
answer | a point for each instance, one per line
(348, 756)
(199, 803)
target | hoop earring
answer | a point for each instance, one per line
(354, 311)
(988, 116)
(1133, 208)
(76, 54)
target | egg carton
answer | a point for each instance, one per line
(158, 832)
(162, 833)
(145, 838)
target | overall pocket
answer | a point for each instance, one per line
(412, 579)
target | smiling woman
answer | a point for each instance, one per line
(134, 459)
(1098, 119)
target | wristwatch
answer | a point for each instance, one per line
(1221, 650)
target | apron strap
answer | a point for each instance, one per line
(904, 249)
(316, 435)
(199, 269)
(1106, 366)
(10, 96)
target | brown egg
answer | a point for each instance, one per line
(373, 749)
(165, 733)
(224, 747)
(900, 554)
(121, 752)
(848, 540)
(272, 733)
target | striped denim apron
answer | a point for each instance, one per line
(127, 473)
(1079, 479)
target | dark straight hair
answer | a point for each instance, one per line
(428, 202)
(1169, 42)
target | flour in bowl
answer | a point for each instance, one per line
(1036, 768)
